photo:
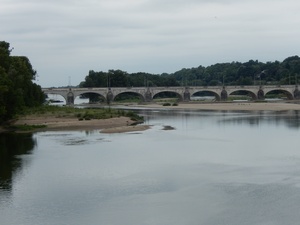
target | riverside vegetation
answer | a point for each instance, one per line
(17, 89)
(19, 93)
(20, 96)
(69, 112)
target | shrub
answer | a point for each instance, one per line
(133, 116)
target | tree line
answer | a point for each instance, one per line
(234, 73)
(17, 89)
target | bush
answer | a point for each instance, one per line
(133, 116)
(167, 104)
(82, 114)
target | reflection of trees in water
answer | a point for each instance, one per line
(290, 118)
(12, 145)
(293, 121)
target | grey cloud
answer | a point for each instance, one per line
(143, 35)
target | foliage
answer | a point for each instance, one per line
(133, 116)
(119, 78)
(128, 97)
(170, 104)
(17, 91)
(234, 73)
(80, 113)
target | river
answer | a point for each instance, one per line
(213, 168)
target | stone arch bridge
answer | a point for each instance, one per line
(184, 93)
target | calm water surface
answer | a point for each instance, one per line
(213, 168)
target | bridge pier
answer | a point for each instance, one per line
(109, 96)
(70, 98)
(297, 93)
(186, 95)
(148, 96)
(224, 95)
(260, 94)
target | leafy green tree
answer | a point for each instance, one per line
(5, 83)
(17, 90)
(252, 72)
(117, 78)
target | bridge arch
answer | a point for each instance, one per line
(80, 100)
(92, 95)
(206, 93)
(243, 92)
(178, 95)
(279, 91)
(130, 93)
(56, 98)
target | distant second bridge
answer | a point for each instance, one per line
(147, 94)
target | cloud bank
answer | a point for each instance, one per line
(67, 38)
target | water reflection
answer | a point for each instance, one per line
(11, 146)
(213, 168)
(14, 145)
(291, 119)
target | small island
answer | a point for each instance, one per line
(53, 118)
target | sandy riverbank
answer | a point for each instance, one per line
(124, 124)
(113, 125)
(232, 106)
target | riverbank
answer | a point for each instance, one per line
(51, 123)
(230, 106)
(125, 124)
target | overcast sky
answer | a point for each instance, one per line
(64, 39)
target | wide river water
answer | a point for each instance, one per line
(231, 168)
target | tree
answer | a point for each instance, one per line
(117, 78)
(17, 90)
(234, 73)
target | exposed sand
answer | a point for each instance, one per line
(124, 129)
(124, 124)
(113, 125)
(232, 106)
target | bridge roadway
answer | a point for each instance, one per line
(184, 93)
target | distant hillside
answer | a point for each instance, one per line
(234, 73)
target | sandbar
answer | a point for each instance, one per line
(112, 125)
(230, 106)
(125, 124)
